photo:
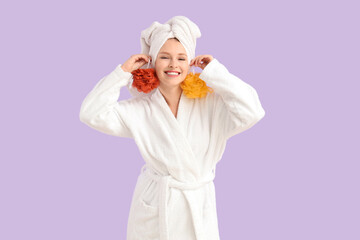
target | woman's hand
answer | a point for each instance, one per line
(201, 61)
(135, 62)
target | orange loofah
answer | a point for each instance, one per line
(145, 80)
(194, 87)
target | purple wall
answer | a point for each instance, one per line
(294, 175)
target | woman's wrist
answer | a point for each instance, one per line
(124, 69)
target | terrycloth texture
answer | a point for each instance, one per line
(180, 27)
(180, 153)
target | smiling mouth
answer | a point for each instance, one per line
(172, 73)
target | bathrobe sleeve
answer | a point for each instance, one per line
(101, 109)
(236, 106)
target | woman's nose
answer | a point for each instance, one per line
(172, 63)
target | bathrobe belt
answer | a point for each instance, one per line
(166, 182)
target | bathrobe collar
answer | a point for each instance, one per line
(177, 128)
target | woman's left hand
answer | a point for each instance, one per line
(201, 61)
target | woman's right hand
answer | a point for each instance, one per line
(135, 62)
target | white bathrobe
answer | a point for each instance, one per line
(174, 197)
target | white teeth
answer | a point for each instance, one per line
(172, 73)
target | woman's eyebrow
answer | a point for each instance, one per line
(169, 53)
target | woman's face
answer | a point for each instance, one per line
(171, 58)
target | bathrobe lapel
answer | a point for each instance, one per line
(178, 124)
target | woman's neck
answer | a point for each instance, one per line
(171, 95)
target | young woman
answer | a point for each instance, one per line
(181, 138)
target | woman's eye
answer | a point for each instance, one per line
(182, 59)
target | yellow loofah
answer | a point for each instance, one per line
(194, 87)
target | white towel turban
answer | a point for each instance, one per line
(156, 35)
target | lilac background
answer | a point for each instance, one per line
(294, 175)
